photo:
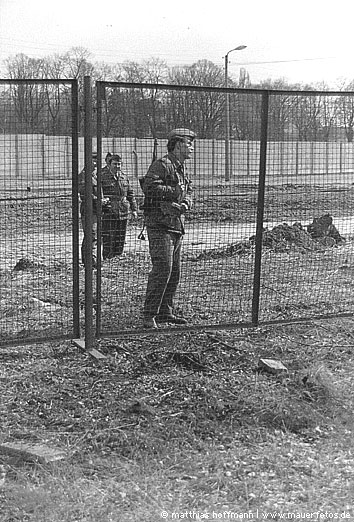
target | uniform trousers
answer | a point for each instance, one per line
(165, 252)
(113, 235)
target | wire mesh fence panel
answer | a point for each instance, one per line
(307, 259)
(36, 255)
(217, 261)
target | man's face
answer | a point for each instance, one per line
(116, 166)
(184, 149)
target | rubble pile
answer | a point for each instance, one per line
(319, 235)
(323, 227)
(283, 236)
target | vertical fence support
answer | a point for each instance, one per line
(89, 338)
(75, 204)
(99, 96)
(260, 208)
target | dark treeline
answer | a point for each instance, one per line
(46, 108)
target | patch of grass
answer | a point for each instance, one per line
(182, 422)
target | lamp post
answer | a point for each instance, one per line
(227, 114)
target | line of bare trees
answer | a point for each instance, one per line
(46, 108)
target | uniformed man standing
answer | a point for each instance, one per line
(168, 196)
(94, 211)
(119, 200)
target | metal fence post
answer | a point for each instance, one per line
(260, 208)
(89, 338)
(75, 205)
(99, 97)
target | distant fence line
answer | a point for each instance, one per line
(51, 155)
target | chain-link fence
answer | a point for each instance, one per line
(307, 259)
(38, 264)
(251, 251)
(268, 237)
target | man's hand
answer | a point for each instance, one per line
(135, 214)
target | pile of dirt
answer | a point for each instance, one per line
(27, 264)
(319, 235)
(281, 237)
(323, 227)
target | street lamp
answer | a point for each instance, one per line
(227, 114)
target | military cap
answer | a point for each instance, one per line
(182, 133)
(94, 155)
(114, 157)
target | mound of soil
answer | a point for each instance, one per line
(27, 264)
(320, 234)
(284, 235)
(323, 227)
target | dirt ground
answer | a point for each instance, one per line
(218, 262)
(182, 423)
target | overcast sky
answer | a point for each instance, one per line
(301, 41)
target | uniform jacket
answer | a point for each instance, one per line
(166, 182)
(117, 188)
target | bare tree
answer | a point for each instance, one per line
(203, 110)
(28, 98)
(346, 111)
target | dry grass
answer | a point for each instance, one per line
(182, 423)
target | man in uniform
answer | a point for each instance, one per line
(94, 210)
(168, 196)
(119, 199)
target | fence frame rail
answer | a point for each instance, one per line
(74, 135)
(93, 312)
